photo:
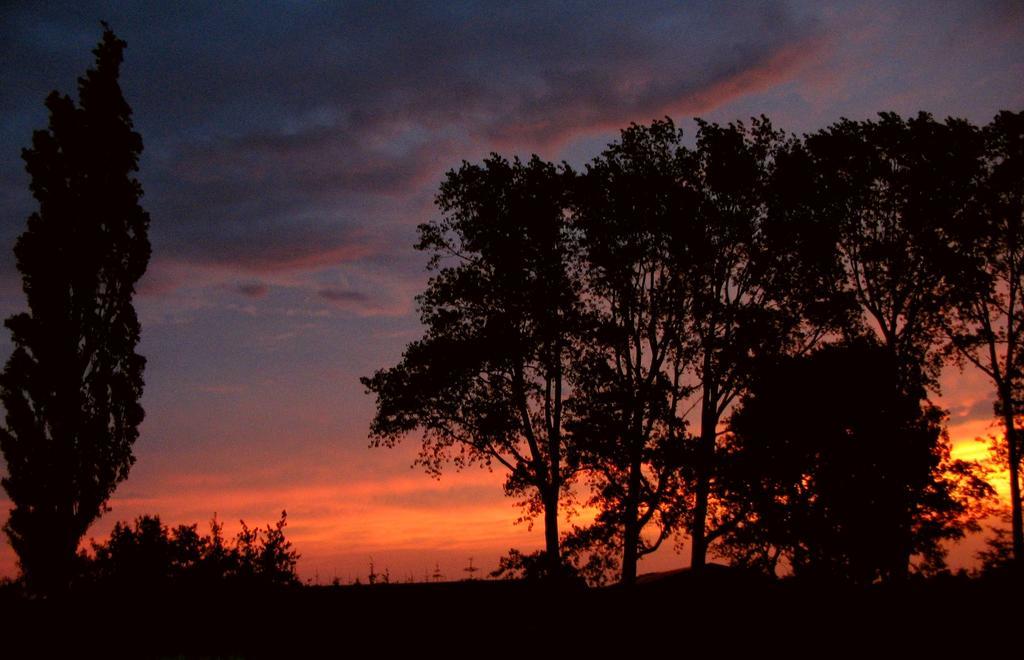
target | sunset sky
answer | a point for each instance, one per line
(292, 148)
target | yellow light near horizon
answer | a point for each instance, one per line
(976, 448)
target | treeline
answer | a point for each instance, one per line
(730, 344)
(147, 556)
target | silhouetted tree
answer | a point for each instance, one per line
(486, 382)
(72, 386)
(533, 567)
(217, 558)
(147, 554)
(841, 472)
(698, 265)
(629, 374)
(150, 555)
(987, 327)
(266, 556)
(997, 556)
(755, 277)
(892, 189)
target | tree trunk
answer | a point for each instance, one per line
(552, 550)
(699, 551)
(705, 453)
(705, 449)
(631, 539)
(631, 528)
(1016, 522)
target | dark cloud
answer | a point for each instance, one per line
(342, 295)
(274, 131)
(982, 409)
(252, 289)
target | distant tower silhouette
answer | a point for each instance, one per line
(471, 569)
(373, 576)
(437, 572)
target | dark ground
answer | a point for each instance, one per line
(720, 614)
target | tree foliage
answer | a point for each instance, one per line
(147, 555)
(581, 324)
(841, 473)
(757, 286)
(629, 376)
(485, 383)
(72, 386)
(986, 326)
(893, 192)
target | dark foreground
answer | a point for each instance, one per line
(721, 614)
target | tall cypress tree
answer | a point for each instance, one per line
(72, 385)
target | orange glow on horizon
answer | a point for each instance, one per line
(976, 448)
(404, 519)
